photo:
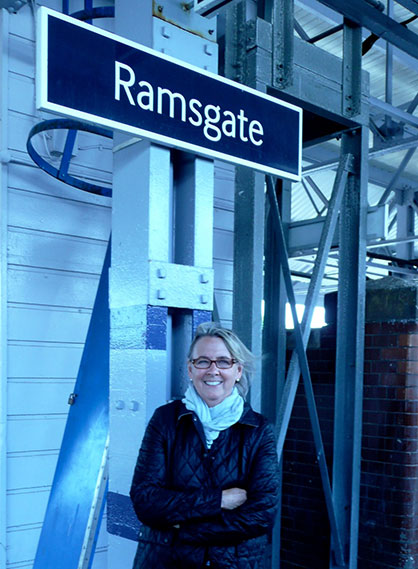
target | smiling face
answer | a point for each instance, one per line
(213, 384)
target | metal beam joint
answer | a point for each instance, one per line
(283, 49)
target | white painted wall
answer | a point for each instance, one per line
(53, 244)
(223, 239)
(53, 240)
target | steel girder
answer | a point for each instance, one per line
(364, 14)
(411, 5)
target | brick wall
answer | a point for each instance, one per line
(389, 478)
(305, 527)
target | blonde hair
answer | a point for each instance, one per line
(235, 347)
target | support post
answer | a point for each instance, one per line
(350, 347)
(274, 331)
(161, 281)
(248, 266)
(283, 33)
(405, 223)
(351, 308)
(248, 59)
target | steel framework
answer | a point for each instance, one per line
(264, 53)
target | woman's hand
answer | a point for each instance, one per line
(233, 498)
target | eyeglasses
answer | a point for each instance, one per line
(221, 363)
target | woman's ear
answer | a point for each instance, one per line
(240, 369)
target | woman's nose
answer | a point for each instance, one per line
(213, 367)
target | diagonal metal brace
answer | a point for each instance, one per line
(299, 360)
(313, 290)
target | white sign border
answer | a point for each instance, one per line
(42, 102)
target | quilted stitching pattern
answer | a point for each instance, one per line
(178, 482)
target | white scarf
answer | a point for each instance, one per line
(218, 418)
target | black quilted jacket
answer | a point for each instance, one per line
(177, 486)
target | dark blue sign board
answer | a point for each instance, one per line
(93, 75)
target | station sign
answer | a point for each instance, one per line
(90, 74)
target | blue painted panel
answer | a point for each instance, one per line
(200, 316)
(121, 517)
(82, 448)
(156, 328)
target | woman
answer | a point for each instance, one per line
(206, 481)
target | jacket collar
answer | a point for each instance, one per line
(248, 416)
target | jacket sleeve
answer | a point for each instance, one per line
(256, 516)
(156, 504)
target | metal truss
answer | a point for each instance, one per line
(282, 64)
(299, 363)
(394, 128)
(365, 14)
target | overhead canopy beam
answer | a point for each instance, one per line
(364, 14)
(327, 159)
(395, 112)
(411, 5)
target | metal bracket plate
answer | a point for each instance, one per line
(180, 286)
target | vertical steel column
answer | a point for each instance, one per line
(138, 365)
(274, 326)
(274, 330)
(350, 313)
(248, 266)
(283, 34)
(161, 279)
(405, 223)
(193, 223)
(235, 42)
(4, 153)
(351, 79)
(350, 346)
(248, 59)
(140, 232)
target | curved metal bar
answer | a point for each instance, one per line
(61, 173)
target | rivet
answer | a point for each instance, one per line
(208, 49)
(161, 294)
(119, 404)
(165, 32)
(204, 299)
(134, 405)
(161, 273)
(204, 278)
